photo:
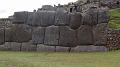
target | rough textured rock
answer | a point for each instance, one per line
(62, 18)
(102, 16)
(90, 17)
(51, 35)
(48, 8)
(42, 48)
(38, 35)
(21, 33)
(9, 35)
(42, 18)
(28, 46)
(62, 49)
(14, 46)
(7, 46)
(2, 33)
(20, 17)
(67, 37)
(85, 35)
(76, 20)
(100, 32)
(30, 19)
(90, 48)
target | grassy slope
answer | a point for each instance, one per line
(31, 59)
(115, 18)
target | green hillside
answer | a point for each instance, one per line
(114, 18)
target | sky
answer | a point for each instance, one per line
(8, 7)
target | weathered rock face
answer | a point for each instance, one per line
(2, 36)
(85, 35)
(76, 20)
(52, 36)
(41, 48)
(102, 16)
(67, 37)
(41, 18)
(20, 17)
(113, 39)
(19, 33)
(100, 33)
(38, 35)
(62, 18)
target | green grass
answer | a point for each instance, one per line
(45, 59)
(114, 18)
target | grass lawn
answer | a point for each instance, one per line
(38, 59)
(115, 18)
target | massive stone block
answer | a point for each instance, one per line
(28, 46)
(52, 36)
(15, 46)
(21, 33)
(20, 17)
(62, 49)
(38, 35)
(62, 18)
(100, 33)
(42, 48)
(41, 18)
(90, 17)
(85, 35)
(90, 48)
(76, 20)
(30, 19)
(67, 37)
(103, 16)
(2, 36)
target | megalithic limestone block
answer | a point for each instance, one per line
(38, 35)
(2, 36)
(103, 17)
(76, 20)
(20, 17)
(62, 18)
(21, 33)
(100, 33)
(85, 35)
(90, 17)
(67, 37)
(28, 46)
(30, 19)
(52, 35)
(8, 35)
(41, 18)
(43, 48)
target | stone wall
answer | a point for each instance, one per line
(113, 39)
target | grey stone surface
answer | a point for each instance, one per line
(14, 46)
(76, 20)
(43, 48)
(102, 16)
(2, 36)
(90, 17)
(20, 17)
(38, 35)
(21, 33)
(100, 33)
(51, 35)
(43, 18)
(67, 37)
(62, 18)
(30, 19)
(90, 48)
(28, 46)
(61, 49)
(85, 35)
